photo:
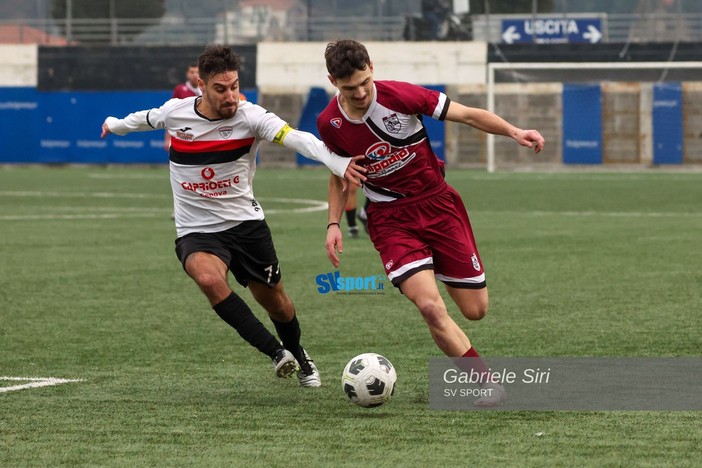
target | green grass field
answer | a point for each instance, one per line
(578, 264)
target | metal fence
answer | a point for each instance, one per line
(241, 29)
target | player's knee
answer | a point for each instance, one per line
(208, 282)
(475, 311)
(433, 312)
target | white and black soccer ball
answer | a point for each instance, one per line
(369, 380)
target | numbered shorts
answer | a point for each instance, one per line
(247, 249)
(428, 232)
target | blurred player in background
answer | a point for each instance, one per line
(350, 212)
(220, 226)
(187, 89)
(416, 221)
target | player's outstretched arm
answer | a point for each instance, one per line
(337, 201)
(492, 123)
(140, 121)
(309, 145)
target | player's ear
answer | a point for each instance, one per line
(332, 80)
(370, 66)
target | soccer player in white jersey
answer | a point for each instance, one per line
(416, 221)
(219, 224)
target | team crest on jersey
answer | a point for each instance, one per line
(476, 263)
(336, 122)
(392, 123)
(225, 132)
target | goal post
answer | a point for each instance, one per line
(612, 77)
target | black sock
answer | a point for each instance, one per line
(237, 314)
(351, 217)
(289, 333)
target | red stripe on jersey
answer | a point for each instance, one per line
(185, 146)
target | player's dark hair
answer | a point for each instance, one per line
(217, 59)
(344, 57)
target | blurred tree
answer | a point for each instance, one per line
(14, 9)
(200, 9)
(151, 10)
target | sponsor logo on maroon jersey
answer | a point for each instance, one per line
(378, 151)
(336, 122)
(385, 161)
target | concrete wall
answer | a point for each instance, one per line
(295, 67)
(19, 65)
(692, 122)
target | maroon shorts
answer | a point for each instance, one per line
(430, 231)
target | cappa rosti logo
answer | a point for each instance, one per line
(378, 151)
(386, 161)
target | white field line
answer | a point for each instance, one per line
(76, 216)
(162, 176)
(30, 193)
(34, 382)
(131, 212)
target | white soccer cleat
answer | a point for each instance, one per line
(308, 375)
(284, 363)
(494, 394)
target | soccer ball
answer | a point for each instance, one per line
(369, 380)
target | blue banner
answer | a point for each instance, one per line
(667, 123)
(317, 100)
(582, 124)
(64, 127)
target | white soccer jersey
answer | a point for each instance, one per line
(212, 162)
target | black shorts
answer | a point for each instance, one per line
(247, 249)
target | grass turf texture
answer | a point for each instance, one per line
(578, 264)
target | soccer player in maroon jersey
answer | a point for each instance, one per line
(220, 226)
(416, 221)
(186, 89)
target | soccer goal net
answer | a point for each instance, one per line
(644, 113)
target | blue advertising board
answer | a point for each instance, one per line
(544, 30)
(582, 124)
(667, 123)
(317, 100)
(62, 127)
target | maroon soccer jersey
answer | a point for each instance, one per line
(184, 90)
(418, 222)
(400, 160)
